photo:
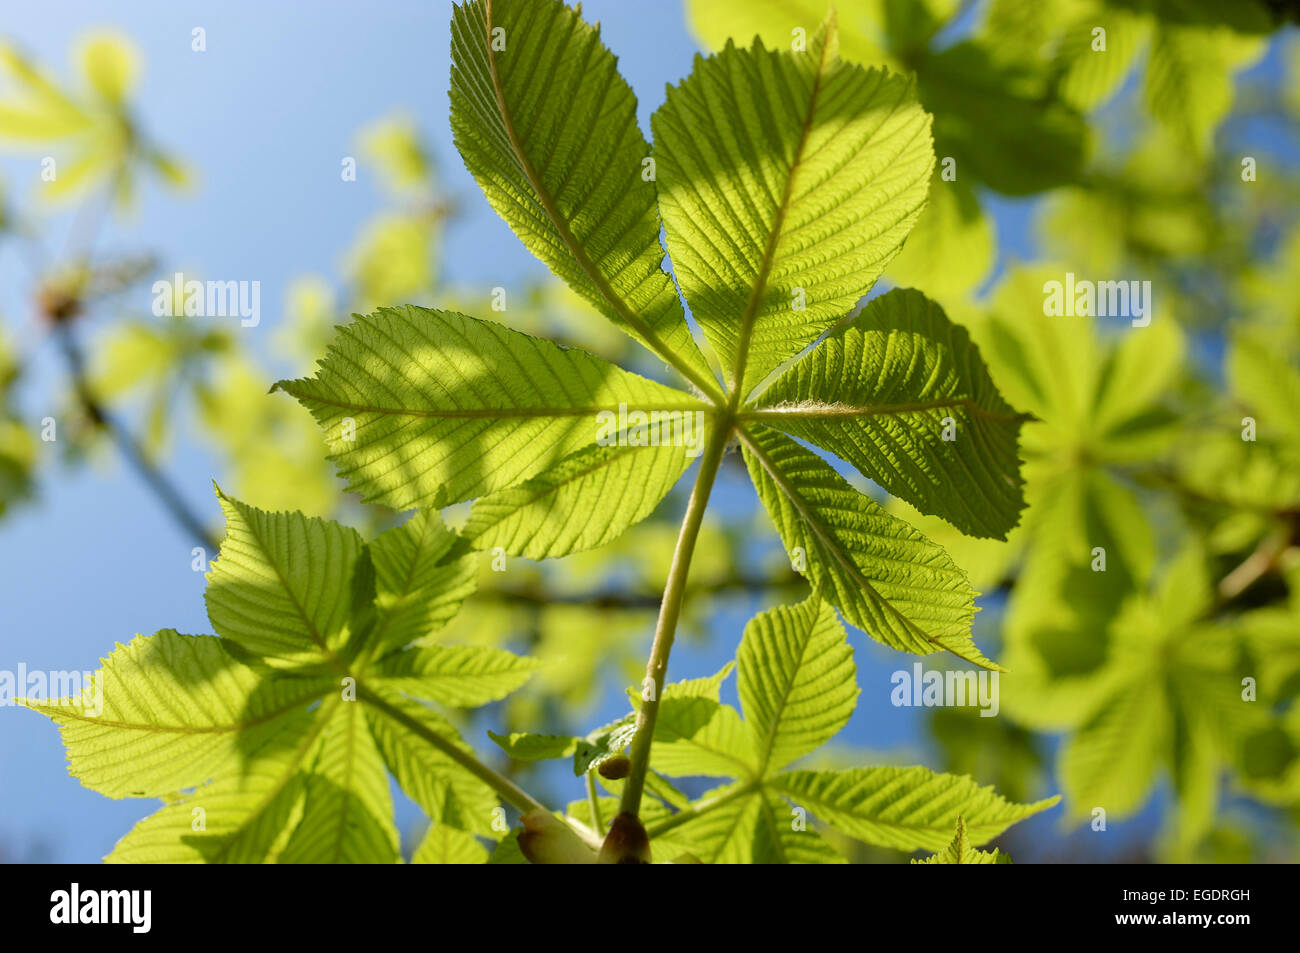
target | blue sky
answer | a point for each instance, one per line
(264, 115)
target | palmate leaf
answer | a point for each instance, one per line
(276, 740)
(787, 182)
(1189, 78)
(1174, 704)
(797, 687)
(548, 127)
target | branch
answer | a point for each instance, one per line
(537, 596)
(156, 480)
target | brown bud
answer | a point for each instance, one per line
(626, 843)
(615, 768)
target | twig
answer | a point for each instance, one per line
(162, 488)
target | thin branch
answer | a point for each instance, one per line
(1255, 566)
(538, 596)
(156, 480)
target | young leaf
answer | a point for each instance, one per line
(699, 736)
(548, 127)
(907, 808)
(583, 502)
(281, 586)
(347, 810)
(902, 394)
(787, 183)
(695, 734)
(446, 845)
(277, 737)
(463, 676)
(798, 684)
(418, 590)
(428, 408)
(887, 579)
(447, 793)
(177, 710)
(527, 746)
(960, 851)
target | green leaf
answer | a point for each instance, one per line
(782, 836)
(285, 756)
(583, 502)
(446, 791)
(171, 711)
(695, 734)
(1087, 77)
(907, 808)
(446, 845)
(863, 34)
(798, 684)
(527, 746)
(281, 586)
(1112, 760)
(886, 578)
(787, 183)
(699, 736)
(1189, 79)
(463, 676)
(1266, 377)
(751, 827)
(602, 744)
(953, 247)
(961, 852)
(244, 817)
(443, 407)
(347, 811)
(902, 394)
(725, 833)
(996, 121)
(548, 127)
(418, 590)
